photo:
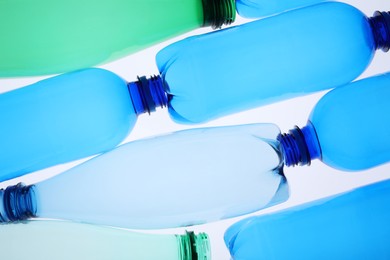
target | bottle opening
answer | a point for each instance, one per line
(300, 146)
(17, 203)
(194, 247)
(218, 12)
(147, 94)
(380, 24)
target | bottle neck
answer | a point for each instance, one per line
(218, 12)
(380, 25)
(17, 203)
(147, 94)
(194, 247)
(300, 146)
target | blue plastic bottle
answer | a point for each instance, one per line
(69, 117)
(347, 129)
(283, 56)
(65, 240)
(259, 8)
(161, 182)
(353, 225)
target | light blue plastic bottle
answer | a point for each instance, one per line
(65, 240)
(186, 178)
(353, 225)
(295, 53)
(260, 8)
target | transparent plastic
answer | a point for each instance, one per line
(351, 225)
(66, 240)
(260, 8)
(63, 118)
(346, 129)
(298, 52)
(46, 37)
(161, 182)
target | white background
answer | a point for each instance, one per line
(306, 183)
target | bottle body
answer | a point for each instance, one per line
(350, 124)
(260, 8)
(63, 118)
(352, 225)
(167, 181)
(66, 240)
(48, 37)
(310, 47)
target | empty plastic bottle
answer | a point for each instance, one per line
(347, 129)
(353, 225)
(259, 8)
(69, 117)
(66, 240)
(298, 52)
(44, 37)
(161, 182)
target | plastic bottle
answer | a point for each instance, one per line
(161, 182)
(66, 240)
(69, 117)
(351, 225)
(45, 37)
(298, 52)
(347, 129)
(260, 8)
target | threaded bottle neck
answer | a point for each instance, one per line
(300, 146)
(147, 94)
(380, 25)
(194, 247)
(17, 203)
(218, 12)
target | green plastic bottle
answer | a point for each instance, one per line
(46, 37)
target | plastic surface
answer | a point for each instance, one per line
(260, 8)
(353, 225)
(352, 130)
(63, 118)
(264, 61)
(66, 240)
(45, 37)
(169, 181)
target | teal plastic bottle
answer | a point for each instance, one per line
(162, 182)
(352, 225)
(66, 240)
(46, 37)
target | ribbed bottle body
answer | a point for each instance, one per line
(45, 37)
(63, 118)
(352, 225)
(260, 8)
(189, 177)
(66, 240)
(351, 124)
(264, 61)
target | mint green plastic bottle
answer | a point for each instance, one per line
(45, 37)
(66, 240)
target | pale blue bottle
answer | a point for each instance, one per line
(162, 182)
(260, 8)
(352, 225)
(62, 240)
